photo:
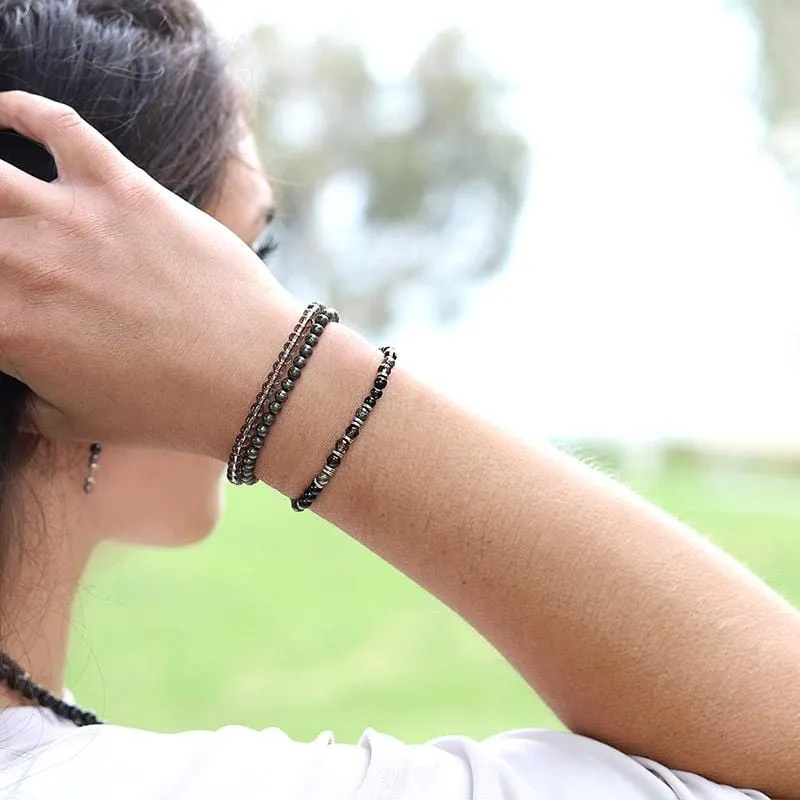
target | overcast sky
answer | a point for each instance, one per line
(660, 245)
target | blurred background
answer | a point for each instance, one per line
(598, 201)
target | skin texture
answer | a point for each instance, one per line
(143, 496)
(636, 630)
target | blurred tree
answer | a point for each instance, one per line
(388, 194)
(778, 25)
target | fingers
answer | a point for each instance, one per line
(20, 193)
(81, 153)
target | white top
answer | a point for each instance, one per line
(45, 758)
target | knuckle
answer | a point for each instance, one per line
(130, 189)
(48, 280)
(65, 119)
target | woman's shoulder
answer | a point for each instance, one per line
(125, 763)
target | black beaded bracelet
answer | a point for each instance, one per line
(256, 427)
(320, 322)
(334, 460)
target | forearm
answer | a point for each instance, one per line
(634, 629)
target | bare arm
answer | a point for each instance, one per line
(632, 627)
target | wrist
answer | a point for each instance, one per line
(236, 371)
(321, 405)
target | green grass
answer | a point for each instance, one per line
(279, 619)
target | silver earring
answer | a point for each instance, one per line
(94, 458)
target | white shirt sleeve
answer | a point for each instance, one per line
(44, 762)
(525, 765)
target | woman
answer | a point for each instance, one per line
(132, 318)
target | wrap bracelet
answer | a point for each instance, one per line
(269, 402)
(334, 460)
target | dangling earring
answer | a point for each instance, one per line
(94, 458)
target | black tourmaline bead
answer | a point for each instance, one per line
(96, 448)
(352, 431)
(322, 320)
(262, 429)
(253, 452)
(370, 401)
(312, 339)
(342, 445)
(377, 393)
(363, 412)
(333, 460)
(333, 314)
(317, 330)
(269, 419)
(296, 505)
(287, 385)
(294, 373)
(275, 407)
(380, 382)
(281, 395)
(306, 350)
(258, 441)
(300, 362)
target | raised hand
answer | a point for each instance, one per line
(116, 294)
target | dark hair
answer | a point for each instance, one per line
(150, 76)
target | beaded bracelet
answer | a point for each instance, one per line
(256, 427)
(320, 321)
(239, 446)
(316, 487)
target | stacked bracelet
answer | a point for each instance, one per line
(270, 401)
(334, 460)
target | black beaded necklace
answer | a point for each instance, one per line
(19, 681)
